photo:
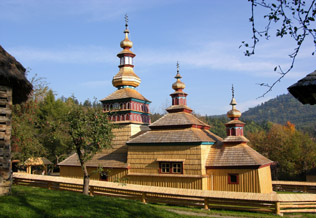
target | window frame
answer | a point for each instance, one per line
(171, 167)
(230, 178)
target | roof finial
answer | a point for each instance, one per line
(126, 21)
(233, 91)
(178, 76)
(233, 101)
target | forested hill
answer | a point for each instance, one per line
(282, 109)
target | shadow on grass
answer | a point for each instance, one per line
(37, 202)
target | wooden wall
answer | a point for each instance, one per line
(170, 182)
(143, 159)
(5, 139)
(114, 175)
(250, 180)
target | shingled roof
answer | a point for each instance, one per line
(112, 158)
(178, 119)
(12, 74)
(241, 155)
(305, 89)
(186, 135)
(125, 94)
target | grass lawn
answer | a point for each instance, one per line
(35, 202)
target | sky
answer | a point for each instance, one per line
(73, 44)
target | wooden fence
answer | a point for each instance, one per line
(291, 186)
(272, 202)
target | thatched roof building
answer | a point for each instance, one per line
(12, 74)
(305, 89)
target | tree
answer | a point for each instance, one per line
(25, 131)
(51, 121)
(90, 131)
(295, 19)
(293, 150)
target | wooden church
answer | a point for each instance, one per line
(178, 150)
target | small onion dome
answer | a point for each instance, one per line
(178, 84)
(233, 113)
(126, 43)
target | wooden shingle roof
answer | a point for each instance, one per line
(113, 158)
(178, 119)
(240, 155)
(305, 89)
(12, 74)
(186, 135)
(125, 93)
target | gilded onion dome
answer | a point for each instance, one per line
(126, 76)
(233, 113)
(126, 43)
(178, 84)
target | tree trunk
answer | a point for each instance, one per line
(86, 180)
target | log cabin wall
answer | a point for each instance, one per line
(5, 139)
(249, 180)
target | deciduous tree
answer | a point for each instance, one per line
(90, 132)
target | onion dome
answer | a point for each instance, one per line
(126, 43)
(233, 113)
(126, 76)
(178, 84)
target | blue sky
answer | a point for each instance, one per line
(73, 44)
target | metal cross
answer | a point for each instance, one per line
(126, 21)
(233, 92)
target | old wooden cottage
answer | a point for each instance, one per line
(178, 150)
(14, 89)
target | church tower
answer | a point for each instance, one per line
(126, 105)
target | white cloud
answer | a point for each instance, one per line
(89, 54)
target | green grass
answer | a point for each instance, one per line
(32, 202)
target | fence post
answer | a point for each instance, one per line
(277, 208)
(206, 204)
(144, 198)
(49, 185)
(91, 193)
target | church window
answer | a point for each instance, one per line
(233, 179)
(171, 167)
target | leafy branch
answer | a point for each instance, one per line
(296, 18)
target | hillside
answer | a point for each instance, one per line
(282, 109)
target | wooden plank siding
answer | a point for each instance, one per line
(143, 159)
(250, 180)
(170, 182)
(76, 172)
(5, 139)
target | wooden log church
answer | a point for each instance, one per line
(178, 150)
